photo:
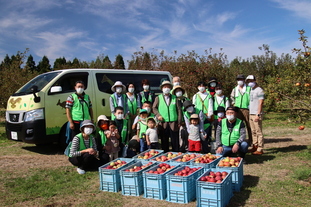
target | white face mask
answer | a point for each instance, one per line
(252, 84)
(218, 92)
(220, 114)
(190, 109)
(80, 90)
(131, 90)
(179, 93)
(176, 84)
(88, 130)
(213, 84)
(147, 109)
(119, 89)
(240, 83)
(230, 117)
(201, 89)
(166, 90)
(146, 87)
(119, 116)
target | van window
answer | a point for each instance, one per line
(68, 81)
(106, 80)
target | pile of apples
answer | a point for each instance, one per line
(230, 162)
(138, 168)
(187, 157)
(162, 168)
(167, 156)
(148, 155)
(214, 177)
(207, 158)
(186, 171)
(115, 165)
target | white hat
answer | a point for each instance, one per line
(118, 83)
(102, 117)
(166, 83)
(250, 77)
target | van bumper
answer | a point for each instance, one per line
(32, 132)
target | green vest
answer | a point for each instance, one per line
(242, 101)
(80, 110)
(103, 137)
(142, 128)
(222, 103)
(202, 104)
(81, 142)
(115, 103)
(169, 113)
(143, 98)
(124, 132)
(230, 138)
(132, 105)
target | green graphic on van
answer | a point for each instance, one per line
(61, 104)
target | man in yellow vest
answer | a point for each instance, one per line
(169, 114)
(230, 134)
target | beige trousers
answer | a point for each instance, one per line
(243, 114)
(256, 127)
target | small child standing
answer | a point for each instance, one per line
(195, 135)
(112, 143)
(152, 134)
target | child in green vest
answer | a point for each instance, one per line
(142, 128)
(121, 124)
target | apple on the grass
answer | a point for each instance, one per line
(301, 127)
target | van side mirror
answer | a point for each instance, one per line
(56, 89)
(34, 90)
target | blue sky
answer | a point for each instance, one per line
(88, 28)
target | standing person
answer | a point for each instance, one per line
(118, 98)
(142, 128)
(147, 106)
(167, 111)
(113, 143)
(152, 134)
(220, 99)
(101, 139)
(78, 108)
(255, 117)
(121, 124)
(179, 92)
(230, 135)
(204, 101)
(211, 86)
(132, 106)
(195, 134)
(176, 83)
(83, 149)
(240, 97)
(146, 94)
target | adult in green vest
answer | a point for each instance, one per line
(132, 106)
(203, 100)
(230, 135)
(118, 98)
(101, 139)
(169, 115)
(240, 97)
(220, 99)
(122, 125)
(179, 92)
(83, 149)
(78, 108)
(146, 94)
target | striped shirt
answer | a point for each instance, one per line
(75, 146)
(69, 101)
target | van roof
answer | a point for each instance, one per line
(113, 70)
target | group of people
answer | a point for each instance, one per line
(169, 121)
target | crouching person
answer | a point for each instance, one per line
(230, 135)
(83, 150)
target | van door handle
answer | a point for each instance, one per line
(103, 102)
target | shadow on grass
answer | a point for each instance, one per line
(276, 140)
(291, 148)
(48, 149)
(258, 159)
(240, 198)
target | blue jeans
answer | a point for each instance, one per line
(242, 150)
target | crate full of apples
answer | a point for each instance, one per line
(109, 174)
(206, 161)
(185, 159)
(148, 154)
(236, 165)
(181, 183)
(214, 188)
(167, 156)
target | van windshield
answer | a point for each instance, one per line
(40, 81)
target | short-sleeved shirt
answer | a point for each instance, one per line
(153, 135)
(255, 95)
(69, 101)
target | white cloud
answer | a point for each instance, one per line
(301, 8)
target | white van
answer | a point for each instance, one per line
(36, 112)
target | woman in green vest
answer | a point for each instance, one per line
(101, 139)
(83, 149)
(118, 98)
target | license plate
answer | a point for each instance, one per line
(14, 135)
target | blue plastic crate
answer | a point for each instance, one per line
(207, 166)
(155, 184)
(214, 194)
(175, 160)
(132, 182)
(182, 189)
(137, 157)
(237, 175)
(109, 179)
(166, 154)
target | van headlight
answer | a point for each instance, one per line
(34, 115)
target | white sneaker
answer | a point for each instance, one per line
(80, 171)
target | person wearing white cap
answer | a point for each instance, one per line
(118, 98)
(83, 149)
(255, 115)
(168, 113)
